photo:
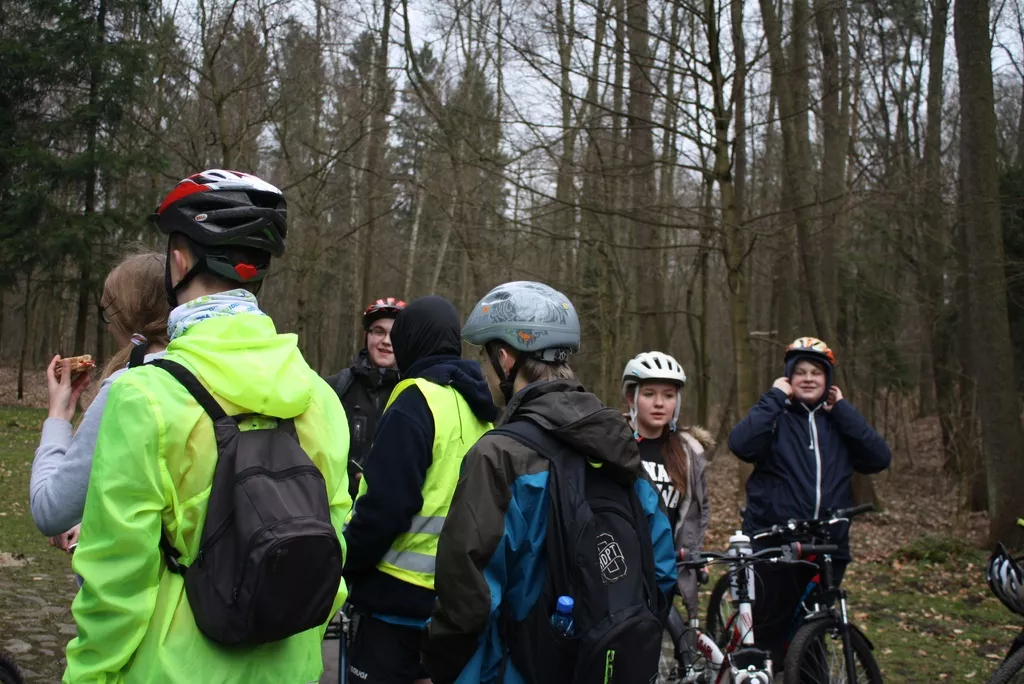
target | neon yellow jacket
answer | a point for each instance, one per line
(152, 471)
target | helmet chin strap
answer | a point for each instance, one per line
(506, 382)
(172, 290)
(632, 412)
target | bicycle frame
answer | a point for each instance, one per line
(829, 593)
(740, 663)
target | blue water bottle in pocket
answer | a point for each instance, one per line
(562, 619)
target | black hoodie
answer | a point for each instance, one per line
(425, 338)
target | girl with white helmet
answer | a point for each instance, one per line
(672, 456)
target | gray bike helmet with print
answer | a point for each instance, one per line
(532, 318)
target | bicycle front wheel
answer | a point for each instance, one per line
(816, 656)
(720, 610)
(1012, 670)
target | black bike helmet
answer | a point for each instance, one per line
(234, 223)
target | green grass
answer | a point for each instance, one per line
(34, 598)
(931, 615)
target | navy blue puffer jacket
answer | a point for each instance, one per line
(804, 459)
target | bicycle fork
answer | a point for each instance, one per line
(844, 624)
(851, 663)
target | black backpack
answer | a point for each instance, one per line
(269, 561)
(599, 552)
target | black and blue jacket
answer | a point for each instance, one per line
(804, 459)
(490, 556)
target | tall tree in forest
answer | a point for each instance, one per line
(640, 119)
(991, 353)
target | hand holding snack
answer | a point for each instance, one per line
(66, 379)
(67, 541)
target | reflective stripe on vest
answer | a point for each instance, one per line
(456, 428)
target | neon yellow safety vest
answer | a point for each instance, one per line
(456, 428)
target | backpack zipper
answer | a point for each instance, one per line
(240, 576)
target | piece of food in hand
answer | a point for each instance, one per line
(79, 365)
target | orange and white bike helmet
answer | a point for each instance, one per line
(653, 365)
(813, 349)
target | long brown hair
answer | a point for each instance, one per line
(677, 463)
(135, 302)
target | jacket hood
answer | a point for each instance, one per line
(429, 326)
(579, 419)
(465, 376)
(243, 360)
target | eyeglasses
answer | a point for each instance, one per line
(377, 331)
(106, 313)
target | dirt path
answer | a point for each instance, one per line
(37, 624)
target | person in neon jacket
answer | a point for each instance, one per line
(156, 452)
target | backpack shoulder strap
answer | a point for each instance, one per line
(534, 437)
(191, 383)
(566, 473)
(342, 381)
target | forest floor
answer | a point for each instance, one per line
(917, 586)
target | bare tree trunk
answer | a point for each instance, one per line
(85, 267)
(640, 113)
(442, 250)
(376, 145)
(564, 217)
(937, 380)
(410, 266)
(992, 353)
(836, 118)
(790, 76)
(26, 318)
(736, 244)
(1019, 158)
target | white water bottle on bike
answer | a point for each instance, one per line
(739, 545)
(562, 619)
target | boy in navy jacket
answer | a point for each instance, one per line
(805, 441)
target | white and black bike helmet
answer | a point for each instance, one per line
(1005, 579)
(652, 365)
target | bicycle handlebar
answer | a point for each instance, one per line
(854, 511)
(814, 525)
(787, 553)
(804, 550)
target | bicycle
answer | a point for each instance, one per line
(817, 622)
(1005, 579)
(343, 631)
(739, 661)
